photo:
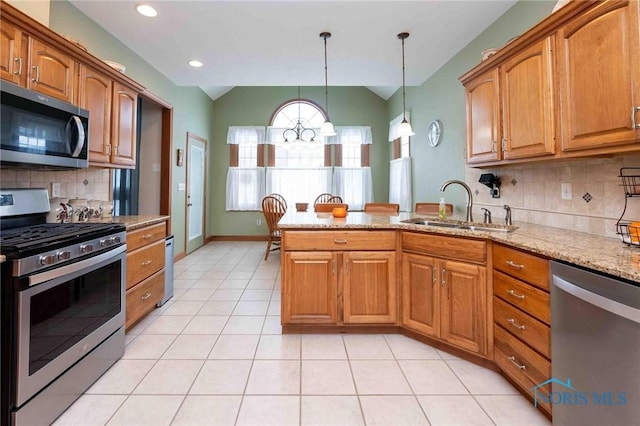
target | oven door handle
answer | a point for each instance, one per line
(601, 302)
(74, 267)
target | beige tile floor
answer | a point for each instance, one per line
(214, 355)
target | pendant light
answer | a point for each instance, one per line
(405, 127)
(327, 128)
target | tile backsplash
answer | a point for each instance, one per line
(534, 193)
(92, 183)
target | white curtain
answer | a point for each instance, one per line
(351, 134)
(400, 183)
(354, 185)
(394, 126)
(246, 135)
(245, 188)
(298, 185)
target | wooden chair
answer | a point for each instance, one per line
(322, 198)
(272, 209)
(281, 198)
(328, 207)
(335, 199)
(432, 208)
(388, 208)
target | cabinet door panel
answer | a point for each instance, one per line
(12, 61)
(483, 118)
(95, 96)
(51, 71)
(369, 287)
(464, 306)
(421, 294)
(527, 101)
(123, 136)
(310, 288)
(600, 77)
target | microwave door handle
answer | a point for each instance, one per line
(80, 140)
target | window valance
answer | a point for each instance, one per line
(251, 135)
(352, 135)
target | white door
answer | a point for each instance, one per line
(196, 187)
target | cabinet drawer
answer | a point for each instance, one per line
(147, 235)
(143, 297)
(143, 262)
(531, 300)
(339, 240)
(528, 329)
(527, 267)
(521, 363)
(448, 247)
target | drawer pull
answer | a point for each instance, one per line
(147, 262)
(513, 361)
(516, 295)
(36, 77)
(145, 296)
(514, 265)
(337, 241)
(19, 70)
(444, 280)
(435, 275)
(146, 236)
(515, 324)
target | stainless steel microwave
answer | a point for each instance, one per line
(41, 132)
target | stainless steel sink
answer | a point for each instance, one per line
(469, 226)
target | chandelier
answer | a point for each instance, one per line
(299, 133)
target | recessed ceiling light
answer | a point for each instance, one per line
(195, 63)
(146, 10)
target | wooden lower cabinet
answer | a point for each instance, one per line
(446, 299)
(310, 288)
(145, 271)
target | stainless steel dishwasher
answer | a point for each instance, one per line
(595, 348)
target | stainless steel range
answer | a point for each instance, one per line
(62, 307)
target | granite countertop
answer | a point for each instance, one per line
(134, 222)
(608, 255)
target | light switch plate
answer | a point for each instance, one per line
(182, 187)
(155, 167)
(567, 191)
(55, 189)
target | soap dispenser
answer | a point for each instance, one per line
(442, 209)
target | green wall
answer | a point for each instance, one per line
(442, 97)
(192, 108)
(246, 106)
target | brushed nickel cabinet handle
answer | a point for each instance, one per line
(337, 241)
(435, 275)
(147, 262)
(516, 295)
(494, 146)
(514, 265)
(504, 144)
(444, 280)
(514, 323)
(634, 125)
(147, 236)
(145, 296)
(513, 361)
(19, 61)
(37, 70)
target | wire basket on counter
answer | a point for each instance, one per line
(629, 230)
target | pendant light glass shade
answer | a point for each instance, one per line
(327, 128)
(405, 128)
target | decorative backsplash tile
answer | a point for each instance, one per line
(92, 183)
(598, 196)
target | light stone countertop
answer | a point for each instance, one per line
(135, 222)
(608, 255)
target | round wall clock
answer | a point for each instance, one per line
(434, 133)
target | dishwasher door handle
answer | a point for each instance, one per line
(609, 305)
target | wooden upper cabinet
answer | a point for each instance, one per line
(528, 102)
(51, 72)
(123, 126)
(13, 61)
(94, 94)
(483, 118)
(599, 70)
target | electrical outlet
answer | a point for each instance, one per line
(55, 190)
(567, 191)
(258, 222)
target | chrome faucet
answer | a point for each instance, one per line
(487, 215)
(507, 216)
(469, 196)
